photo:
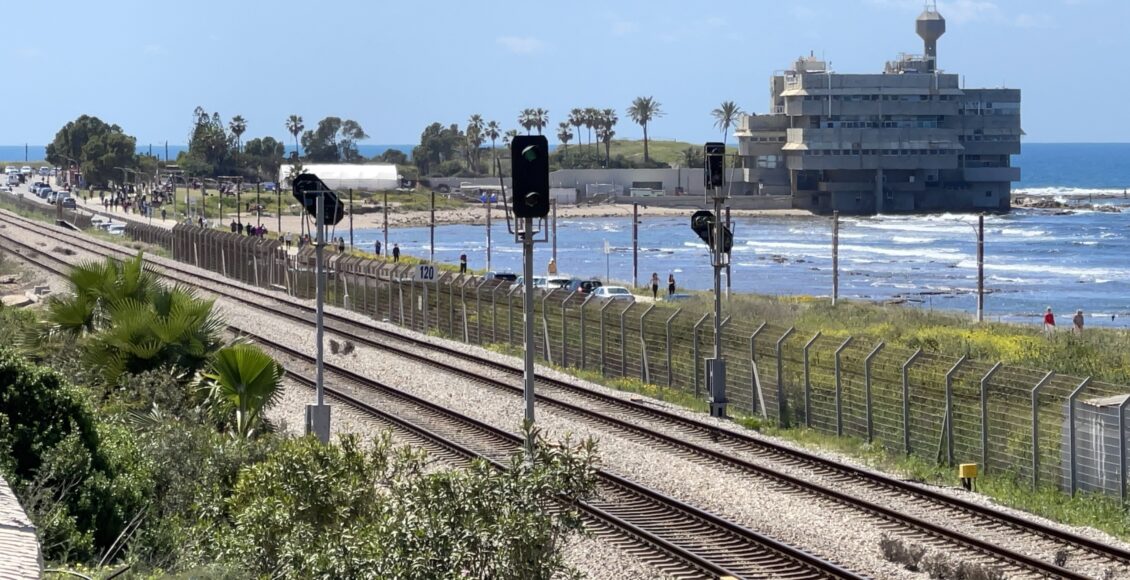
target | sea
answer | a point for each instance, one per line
(1073, 259)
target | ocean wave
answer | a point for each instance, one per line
(823, 250)
(912, 240)
(1093, 274)
(1069, 191)
(1022, 232)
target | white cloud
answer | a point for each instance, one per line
(969, 10)
(520, 44)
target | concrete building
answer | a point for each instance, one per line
(911, 139)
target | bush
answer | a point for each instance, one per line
(339, 511)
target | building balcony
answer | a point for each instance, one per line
(992, 173)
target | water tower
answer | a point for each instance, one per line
(931, 26)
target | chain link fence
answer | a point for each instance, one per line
(1037, 426)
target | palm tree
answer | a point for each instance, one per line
(474, 140)
(726, 116)
(96, 286)
(526, 120)
(590, 118)
(295, 126)
(238, 125)
(691, 156)
(509, 136)
(493, 132)
(246, 380)
(577, 119)
(540, 119)
(643, 111)
(564, 135)
(606, 131)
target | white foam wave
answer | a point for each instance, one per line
(798, 248)
(1069, 191)
(1022, 232)
(912, 240)
(1093, 274)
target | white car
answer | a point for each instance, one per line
(116, 229)
(613, 293)
(25, 170)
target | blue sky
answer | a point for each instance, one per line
(396, 66)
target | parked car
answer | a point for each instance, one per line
(34, 187)
(583, 286)
(555, 283)
(677, 297)
(55, 196)
(25, 170)
(116, 229)
(506, 276)
(68, 202)
(613, 293)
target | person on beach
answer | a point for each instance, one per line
(396, 252)
(341, 245)
(670, 284)
(1049, 322)
(551, 268)
(462, 263)
(377, 247)
(654, 285)
(1077, 322)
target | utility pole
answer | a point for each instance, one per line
(835, 256)
(528, 324)
(278, 210)
(553, 207)
(981, 268)
(728, 271)
(258, 213)
(489, 204)
(713, 231)
(432, 229)
(386, 222)
(318, 415)
(350, 218)
(635, 245)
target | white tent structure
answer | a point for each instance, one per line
(369, 177)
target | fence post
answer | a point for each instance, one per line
(545, 326)
(781, 406)
(839, 389)
(412, 303)
(624, 342)
(808, 381)
(755, 395)
(645, 366)
(667, 325)
(985, 415)
(510, 313)
(948, 420)
(451, 308)
(565, 330)
(603, 370)
(1036, 428)
(1122, 448)
(906, 399)
(694, 352)
(463, 309)
(582, 310)
(479, 311)
(1071, 431)
(867, 390)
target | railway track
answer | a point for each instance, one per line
(684, 541)
(716, 446)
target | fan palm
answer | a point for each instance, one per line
(475, 127)
(564, 135)
(726, 116)
(642, 112)
(238, 126)
(294, 126)
(540, 119)
(527, 120)
(606, 130)
(244, 379)
(96, 286)
(493, 132)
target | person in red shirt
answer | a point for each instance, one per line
(1049, 321)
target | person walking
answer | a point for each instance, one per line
(377, 247)
(1049, 322)
(670, 284)
(396, 252)
(341, 245)
(1077, 322)
(462, 263)
(654, 285)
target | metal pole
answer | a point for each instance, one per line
(906, 399)
(528, 317)
(1071, 432)
(835, 257)
(278, 210)
(489, 204)
(949, 408)
(781, 407)
(717, 370)
(350, 218)
(635, 245)
(386, 250)
(553, 206)
(432, 231)
(1122, 448)
(729, 227)
(258, 214)
(670, 372)
(985, 415)
(980, 268)
(867, 390)
(808, 381)
(318, 416)
(1036, 428)
(839, 388)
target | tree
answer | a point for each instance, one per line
(333, 140)
(577, 119)
(509, 136)
(238, 125)
(394, 156)
(438, 144)
(96, 147)
(95, 287)
(527, 120)
(245, 381)
(726, 116)
(642, 112)
(564, 135)
(493, 132)
(606, 130)
(590, 118)
(692, 157)
(540, 119)
(209, 146)
(265, 156)
(475, 140)
(295, 127)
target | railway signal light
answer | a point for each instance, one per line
(715, 155)
(529, 160)
(306, 187)
(702, 222)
